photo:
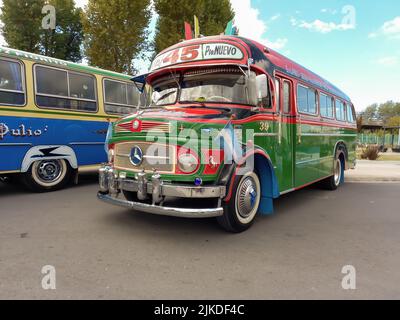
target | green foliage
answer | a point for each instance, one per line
(22, 24)
(23, 30)
(116, 32)
(65, 41)
(388, 112)
(213, 16)
(370, 112)
(394, 121)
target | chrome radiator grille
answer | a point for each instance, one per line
(163, 160)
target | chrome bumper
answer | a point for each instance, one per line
(156, 190)
(159, 210)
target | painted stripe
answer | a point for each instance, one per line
(15, 144)
(60, 114)
(86, 143)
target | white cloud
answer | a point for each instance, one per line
(251, 25)
(322, 26)
(275, 17)
(392, 28)
(330, 11)
(388, 61)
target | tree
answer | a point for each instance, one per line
(23, 30)
(213, 16)
(394, 121)
(386, 110)
(22, 24)
(116, 32)
(359, 122)
(370, 112)
(65, 41)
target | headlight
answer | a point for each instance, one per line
(187, 162)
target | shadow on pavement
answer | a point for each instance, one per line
(136, 222)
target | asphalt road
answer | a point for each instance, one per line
(104, 252)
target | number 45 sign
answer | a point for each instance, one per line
(198, 52)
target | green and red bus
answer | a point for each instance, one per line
(230, 125)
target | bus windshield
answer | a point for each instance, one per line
(202, 86)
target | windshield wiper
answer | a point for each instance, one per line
(166, 95)
(202, 105)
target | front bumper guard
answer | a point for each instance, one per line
(111, 186)
(159, 210)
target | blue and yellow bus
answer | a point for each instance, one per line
(54, 116)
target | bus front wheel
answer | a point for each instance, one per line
(47, 175)
(241, 210)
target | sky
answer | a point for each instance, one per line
(355, 44)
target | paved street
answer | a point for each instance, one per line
(101, 251)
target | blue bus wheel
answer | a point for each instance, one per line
(47, 175)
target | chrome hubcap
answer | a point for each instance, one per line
(247, 196)
(48, 171)
(338, 172)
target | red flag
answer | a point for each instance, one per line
(188, 31)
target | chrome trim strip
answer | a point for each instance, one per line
(164, 211)
(287, 191)
(314, 160)
(329, 135)
(265, 134)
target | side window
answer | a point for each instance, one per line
(278, 95)
(286, 97)
(62, 89)
(350, 114)
(306, 100)
(120, 97)
(312, 101)
(12, 91)
(326, 106)
(340, 111)
(302, 100)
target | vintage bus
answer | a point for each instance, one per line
(293, 128)
(54, 116)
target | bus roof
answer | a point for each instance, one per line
(13, 53)
(271, 61)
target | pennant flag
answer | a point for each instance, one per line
(196, 27)
(188, 31)
(229, 27)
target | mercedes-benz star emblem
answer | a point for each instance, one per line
(136, 156)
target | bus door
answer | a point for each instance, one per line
(286, 133)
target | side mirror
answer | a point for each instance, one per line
(262, 87)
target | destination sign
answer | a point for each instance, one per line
(205, 51)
